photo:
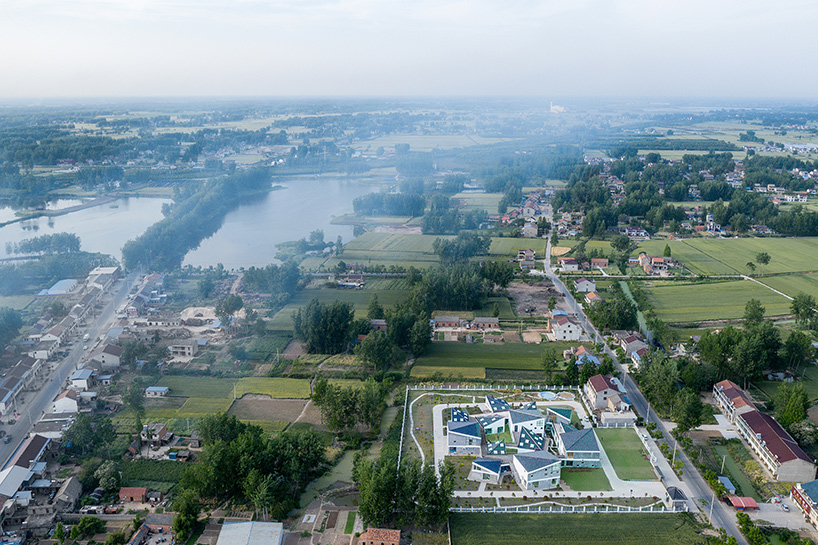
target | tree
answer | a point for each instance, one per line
(620, 243)
(220, 427)
(227, 307)
(132, 351)
(791, 403)
(187, 507)
(751, 267)
(552, 303)
(551, 360)
(798, 350)
(764, 259)
(325, 328)
(108, 475)
(375, 311)
(572, 372)
(666, 252)
(375, 350)
(499, 273)
(205, 287)
(496, 310)
(59, 532)
(687, 410)
(753, 313)
(803, 308)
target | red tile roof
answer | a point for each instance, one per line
(601, 382)
(380, 534)
(743, 503)
(736, 395)
(777, 440)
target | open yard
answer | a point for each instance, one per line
(479, 201)
(518, 528)
(810, 382)
(206, 387)
(730, 256)
(625, 451)
(585, 480)
(676, 302)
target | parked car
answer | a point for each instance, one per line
(7, 439)
(785, 507)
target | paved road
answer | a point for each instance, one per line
(722, 516)
(36, 403)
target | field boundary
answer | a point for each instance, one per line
(550, 508)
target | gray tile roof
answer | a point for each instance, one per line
(465, 428)
(489, 464)
(530, 406)
(582, 440)
(524, 416)
(488, 420)
(533, 461)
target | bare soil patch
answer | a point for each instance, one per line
(260, 407)
(293, 350)
(532, 296)
(560, 250)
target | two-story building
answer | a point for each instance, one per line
(577, 448)
(538, 470)
(731, 399)
(464, 438)
(777, 450)
(565, 329)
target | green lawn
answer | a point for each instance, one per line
(729, 256)
(735, 474)
(500, 356)
(283, 320)
(17, 302)
(810, 382)
(479, 201)
(625, 451)
(574, 529)
(793, 284)
(676, 302)
(214, 388)
(582, 481)
(510, 246)
(350, 522)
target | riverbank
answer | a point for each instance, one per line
(99, 201)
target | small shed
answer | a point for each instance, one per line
(742, 503)
(728, 485)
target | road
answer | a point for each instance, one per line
(37, 403)
(723, 517)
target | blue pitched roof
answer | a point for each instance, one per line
(587, 358)
(811, 490)
(582, 440)
(497, 405)
(562, 412)
(488, 463)
(459, 415)
(727, 483)
(532, 461)
(530, 406)
(498, 448)
(530, 440)
(465, 428)
(82, 374)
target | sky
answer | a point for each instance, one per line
(587, 48)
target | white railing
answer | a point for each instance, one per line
(559, 508)
(473, 387)
(403, 426)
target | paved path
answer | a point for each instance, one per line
(37, 403)
(781, 293)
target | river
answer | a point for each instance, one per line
(103, 228)
(249, 234)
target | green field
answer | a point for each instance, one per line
(510, 246)
(679, 303)
(283, 320)
(479, 201)
(810, 382)
(624, 450)
(582, 481)
(574, 529)
(500, 356)
(465, 372)
(730, 256)
(214, 388)
(203, 406)
(793, 284)
(427, 142)
(17, 302)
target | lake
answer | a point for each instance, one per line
(102, 228)
(249, 234)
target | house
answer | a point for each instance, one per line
(731, 399)
(526, 255)
(377, 536)
(486, 469)
(568, 264)
(583, 285)
(592, 297)
(252, 533)
(155, 434)
(806, 498)
(536, 470)
(532, 420)
(157, 391)
(446, 321)
(156, 497)
(529, 230)
(600, 262)
(83, 379)
(583, 355)
(495, 404)
(638, 355)
(133, 494)
(675, 499)
(66, 403)
(577, 448)
(529, 441)
(378, 325)
(597, 391)
(105, 380)
(464, 438)
(632, 343)
(68, 495)
(565, 329)
(185, 349)
(776, 449)
(483, 324)
(493, 424)
(108, 356)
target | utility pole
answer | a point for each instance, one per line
(712, 502)
(723, 459)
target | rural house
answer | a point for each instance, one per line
(732, 400)
(583, 285)
(776, 449)
(378, 536)
(577, 448)
(536, 470)
(446, 321)
(66, 403)
(565, 329)
(483, 324)
(132, 494)
(486, 469)
(598, 390)
(464, 438)
(157, 391)
(83, 379)
(108, 356)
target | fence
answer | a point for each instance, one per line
(473, 387)
(559, 508)
(403, 426)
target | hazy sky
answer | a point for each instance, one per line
(744, 48)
